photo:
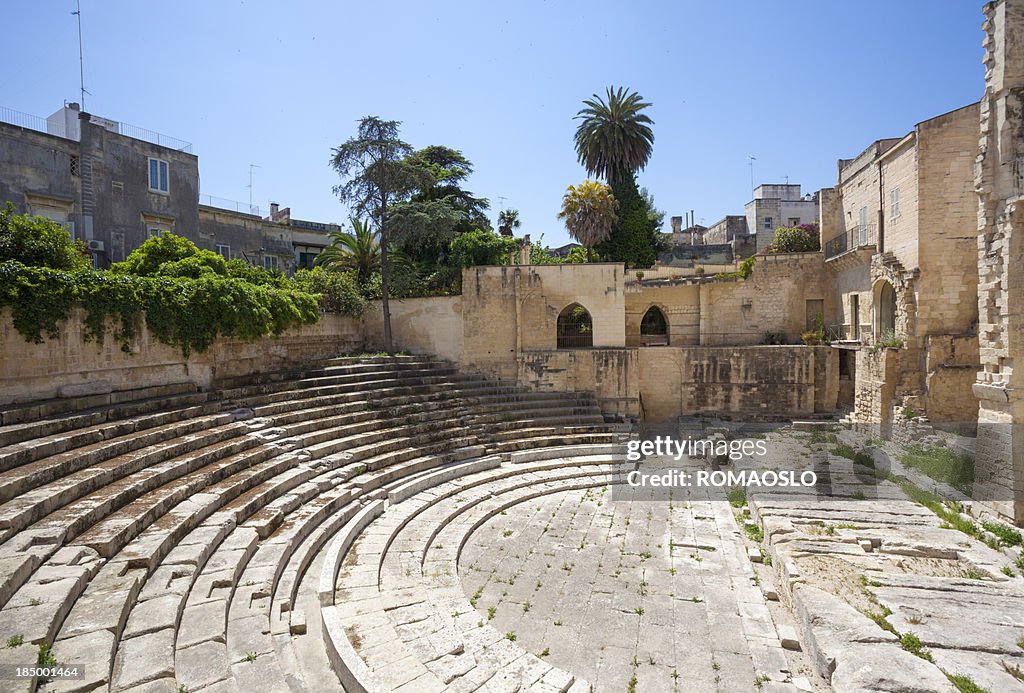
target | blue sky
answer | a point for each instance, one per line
(797, 84)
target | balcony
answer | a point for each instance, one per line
(858, 237)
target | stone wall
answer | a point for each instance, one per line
(760, 382)
(999, 462)
(419, 325)
(70, 367)
(611, 374)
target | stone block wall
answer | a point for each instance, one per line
(419, 325)
(68, 366)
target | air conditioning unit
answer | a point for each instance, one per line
(96, 246)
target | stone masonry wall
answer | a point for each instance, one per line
(69, 366)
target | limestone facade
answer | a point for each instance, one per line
(1000, 253)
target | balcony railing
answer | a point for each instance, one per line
(852, 239)
(40, 124)
(230, 205)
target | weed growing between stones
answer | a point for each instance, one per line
(15, 641)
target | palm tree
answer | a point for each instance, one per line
(508, 221)
(589, 211)
(614, 140)
(357, 250)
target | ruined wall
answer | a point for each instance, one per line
(746, 382)
(419, 326)
(877, 373)
(69, 366)
(999, 461)
(611, 374)
(774, 298)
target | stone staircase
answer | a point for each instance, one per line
(221, 540)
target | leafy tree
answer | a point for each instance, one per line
(540, 254)
(508, 222)
(39, 242)
(481, 248)
(254, 274)
(578, 256)
(146, 260)
(376, 172)
(589, 210)
(338, 291)
(614, 139)
(635, 238)
(796, 239)
(204, 262)
(357, 250)
(449, 168)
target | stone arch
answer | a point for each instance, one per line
(885, 309)
(654, 327)
(575, 328)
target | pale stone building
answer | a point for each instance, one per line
(775, 205)
(898, 233)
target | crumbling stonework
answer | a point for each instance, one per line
(999, 387)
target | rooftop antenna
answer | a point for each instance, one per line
(81, 56)
(750, 162)
(501, 203)
(787, 179)
(251, 167)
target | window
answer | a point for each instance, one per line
(155, 232)
(224, 251)
(794, 221)
(894, 203)
(767, 223)
(158, 176)
(270, 262)
(76, 165)
(306, 260)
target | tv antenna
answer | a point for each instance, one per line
(501, 203)
(81, 55)
(750, 162)
(251, 167)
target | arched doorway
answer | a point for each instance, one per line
(885, 311)
(654, 328)
(575, 328)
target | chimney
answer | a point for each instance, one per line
(677, 224)
(273, 211)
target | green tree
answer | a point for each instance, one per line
(796, 239)
(508, 222)
(589, 211)
(540, 254)
(39, 242)
(449, 168)
(377, 174)
(158, 251)
(357, 250)
(635, 238)
(614, 139)
(481, 248)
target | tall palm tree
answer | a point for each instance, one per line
(589, 211)
(614, 139)
(508, 221)
(357, 250)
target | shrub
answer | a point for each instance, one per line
(39, 242)
(478, 247)
(203, 263)
(796, 239)
(254, 274)
(338, 291)
(154, 252)
(183, 312)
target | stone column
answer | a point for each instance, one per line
(999, 182)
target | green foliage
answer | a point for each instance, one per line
(912, 644)
(796, 239)
(145, 260)
(254, 274)
(747, 267)
(357, 250)
(817, 335)
(338, 291)
(1007, 535)
(180, 311)
(965, 684)
(39, 242)
(889, 340)
(614, 139)
(46, 658)
(478, 247)
(204, 263)
(589, 211)
(541, 254)
(578, 256)
(941, 464)
(635, 237)
(773, 337)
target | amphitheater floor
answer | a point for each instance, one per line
(647, 595)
